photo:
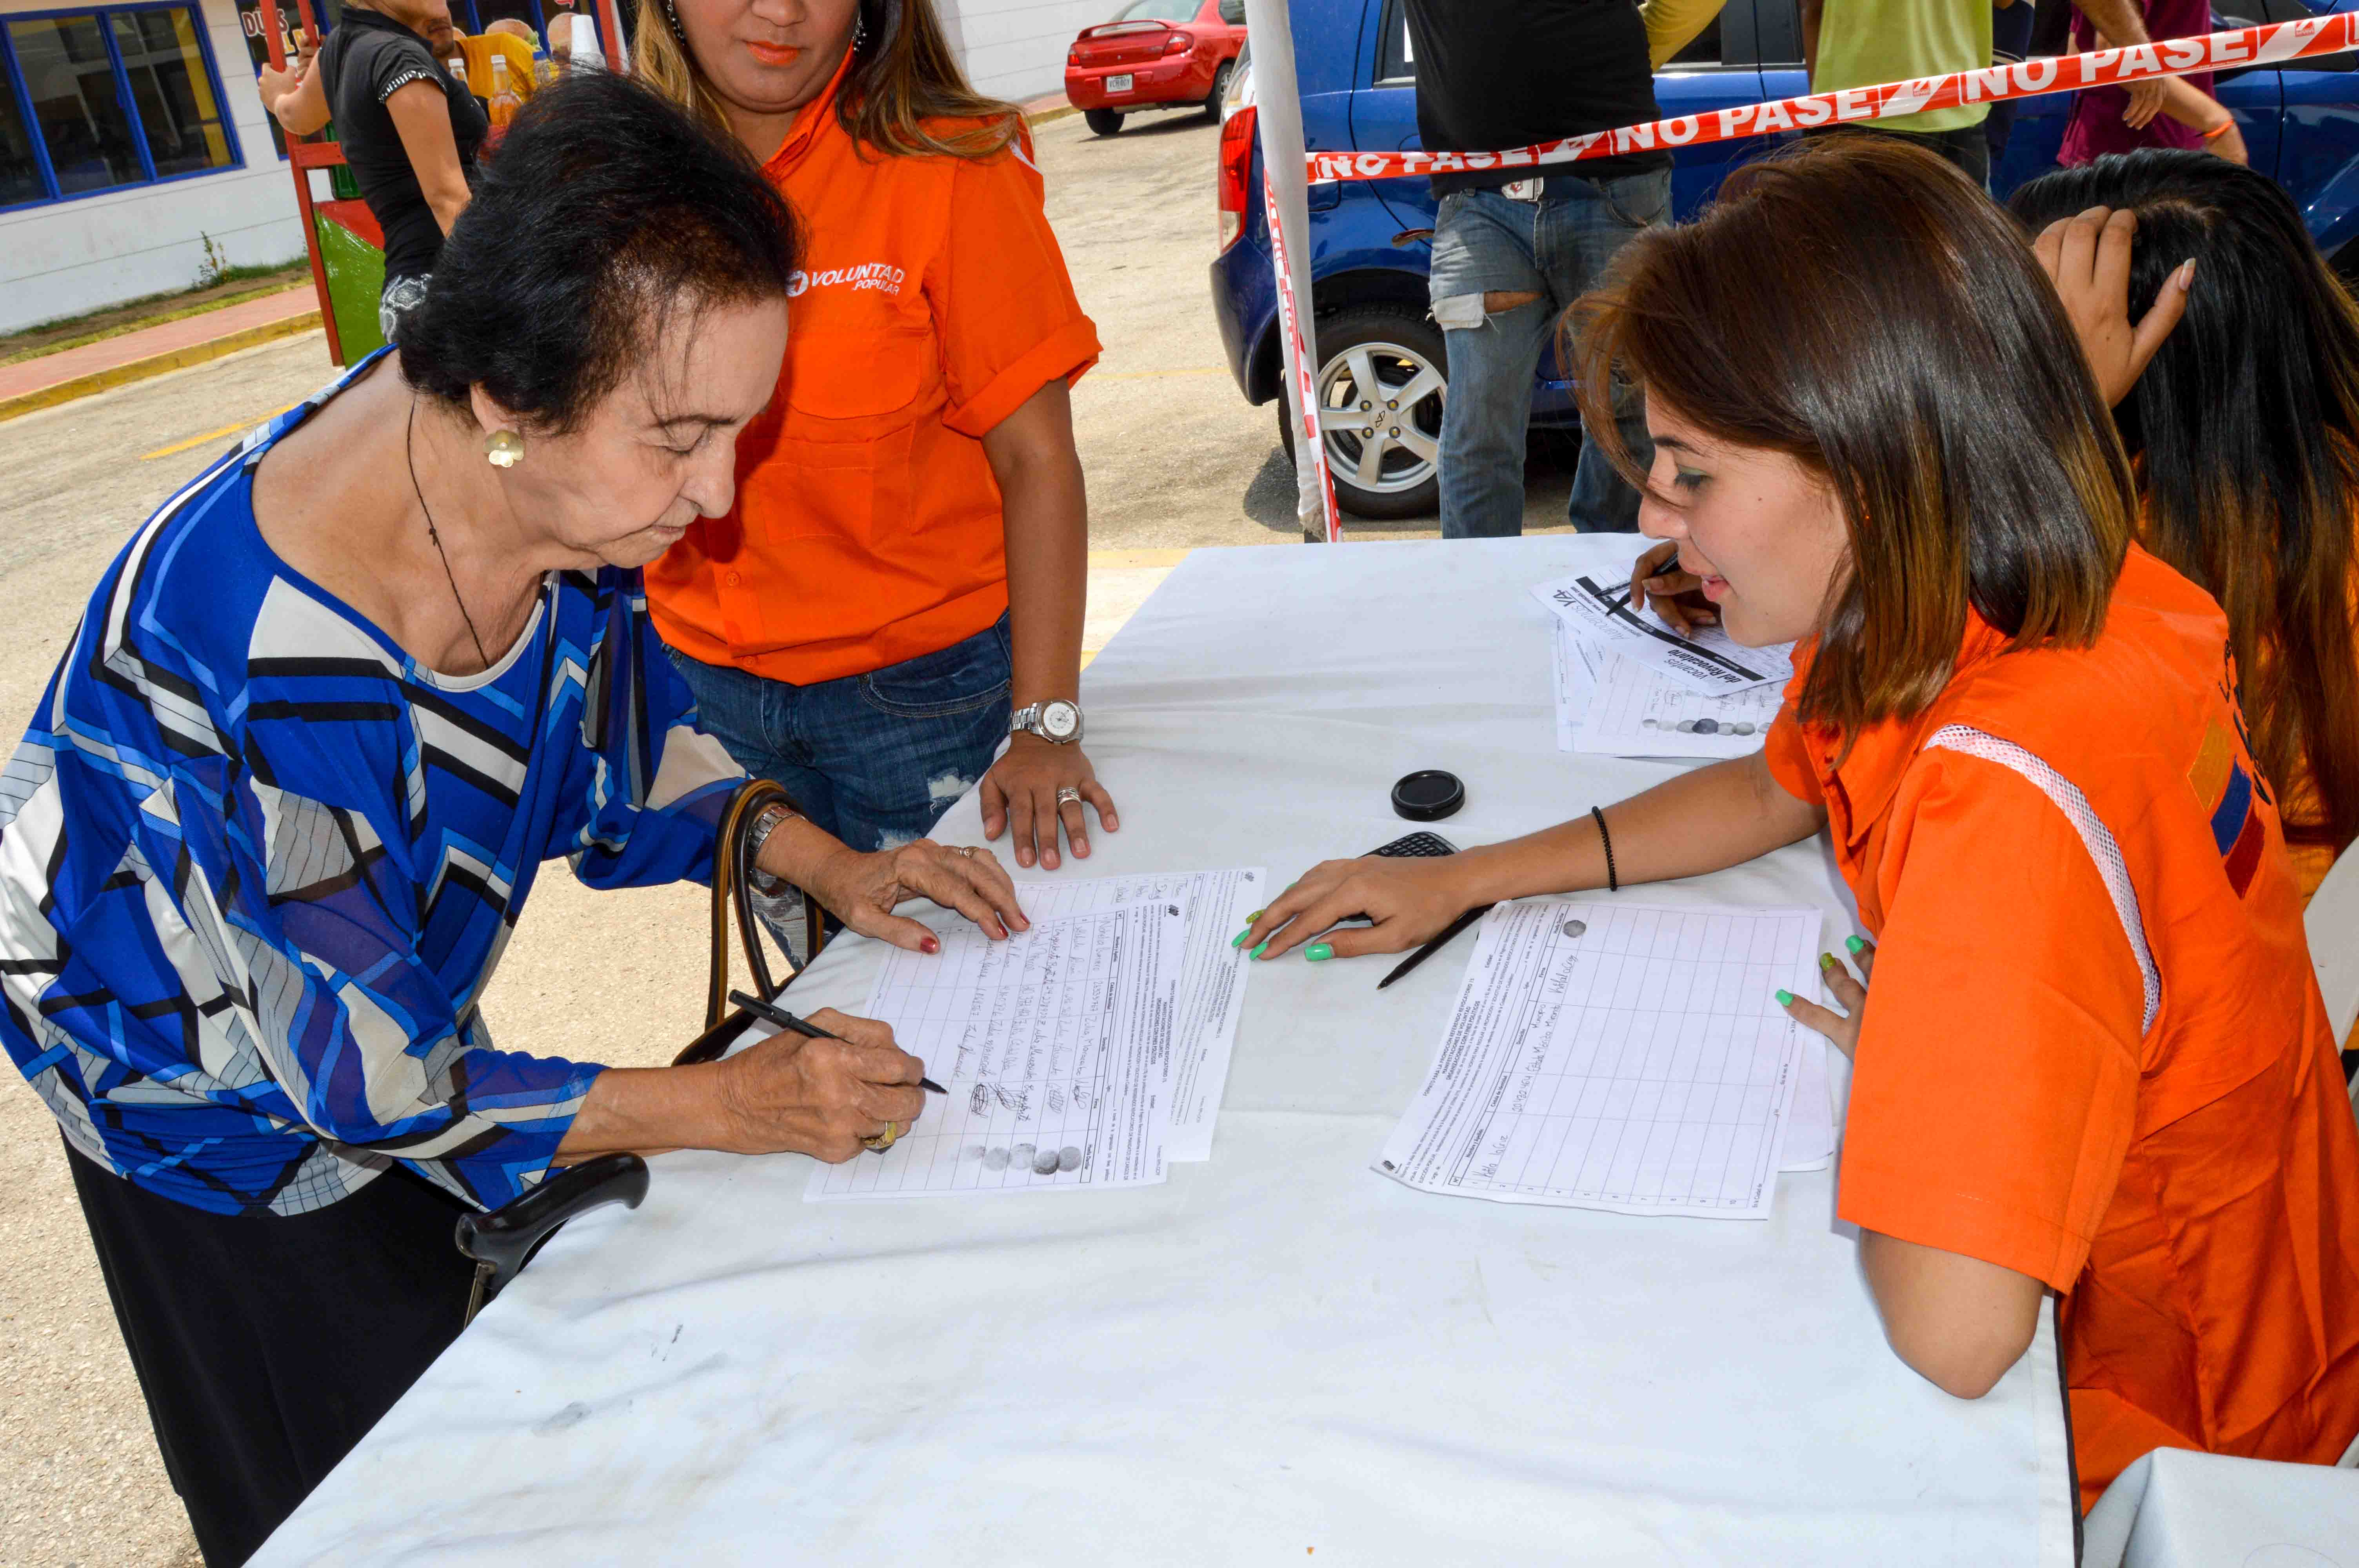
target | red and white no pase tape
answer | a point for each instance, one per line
(2267, 45)
(1306, 375)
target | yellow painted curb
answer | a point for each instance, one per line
(1045, 115)
(154, 365)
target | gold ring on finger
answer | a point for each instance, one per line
(883, 1141)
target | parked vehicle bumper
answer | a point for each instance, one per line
(1173, 78)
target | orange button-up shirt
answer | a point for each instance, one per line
(932, 303)
(2093, 1051)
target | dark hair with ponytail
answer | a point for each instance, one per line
(2245, 432)
(605, 215)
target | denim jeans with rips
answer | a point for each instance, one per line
(874, 759)
(1555, 248)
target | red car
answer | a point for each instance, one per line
(1155, 54)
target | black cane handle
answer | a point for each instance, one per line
(504, 1238)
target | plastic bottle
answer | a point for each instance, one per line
(504, 101)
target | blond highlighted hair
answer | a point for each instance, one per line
(904, 94)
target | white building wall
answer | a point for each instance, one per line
(1015, 48)
(87, 252)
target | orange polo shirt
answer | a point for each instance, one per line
(2093, 1051)
(932, 303)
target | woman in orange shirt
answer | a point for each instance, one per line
(2243, 427)
(2094, 1059)
(900, 587)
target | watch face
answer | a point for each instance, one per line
(1060, 720)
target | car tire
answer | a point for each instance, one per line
(1227, 69)
(1105, 122)
(1401, 348)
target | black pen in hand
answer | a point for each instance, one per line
(804, 1027)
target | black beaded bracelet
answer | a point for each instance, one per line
(1612, 881)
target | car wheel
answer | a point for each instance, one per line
(1381, 389)
(1227, 69)
(1105, 122)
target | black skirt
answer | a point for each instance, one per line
(269, 1345)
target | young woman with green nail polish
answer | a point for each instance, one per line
(2097, 1064)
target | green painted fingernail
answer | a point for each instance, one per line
(1853, 944)
(1785, 999)
(1260, 950)
(1317, 951)
(1826, 960)
(1256, 914)
(1239, 940)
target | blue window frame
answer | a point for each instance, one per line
(107, 98)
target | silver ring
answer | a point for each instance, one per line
(965, 849)
(1069, 796)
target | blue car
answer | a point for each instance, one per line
(1370, 240)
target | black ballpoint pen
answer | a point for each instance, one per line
(1440, 941)
(808, 1029)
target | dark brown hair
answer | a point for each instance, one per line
(905, 93)
(2245, 431)
(1856, 305)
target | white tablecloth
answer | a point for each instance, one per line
(1278, 1356)
(2178, 1510)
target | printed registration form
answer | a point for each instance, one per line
(1620, 1056)
(1055, 1046)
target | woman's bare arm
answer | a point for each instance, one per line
(421, 115)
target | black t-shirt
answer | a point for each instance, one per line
(368, 59)
(1494, 75)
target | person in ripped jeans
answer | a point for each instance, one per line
(1513, 249)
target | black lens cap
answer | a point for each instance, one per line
(1429, 795)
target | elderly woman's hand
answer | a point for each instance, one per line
(862, 890)
(819, 1097)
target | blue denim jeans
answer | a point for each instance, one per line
(874, 759)
(1556, 247)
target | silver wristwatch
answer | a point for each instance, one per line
(767, 821)
(1058, 723)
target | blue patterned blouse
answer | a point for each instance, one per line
(257, 864)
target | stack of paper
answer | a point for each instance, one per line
(1628, 685)
(1087, 1052)
(1627, 1057)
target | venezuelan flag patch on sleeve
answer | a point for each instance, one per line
(2223, 788)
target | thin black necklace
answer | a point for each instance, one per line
(409, 455)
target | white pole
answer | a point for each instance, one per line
(1279, 110)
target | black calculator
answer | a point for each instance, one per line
(1410, 846)
(1418, 847)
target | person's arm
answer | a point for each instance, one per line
(1715, 816)
(782, 1095)
(1046, 509)
(295, 97)
(1672, 25)
(421, 117)
(1811, 42)
(1013, 340)
(1958, 1322)
(2088, 258)
(2198, 111)
(304, 108)
(644, 807)
(2119, 23)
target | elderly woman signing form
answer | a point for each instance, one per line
(324, 717)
